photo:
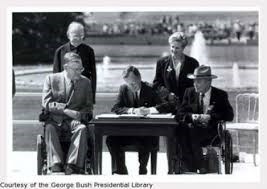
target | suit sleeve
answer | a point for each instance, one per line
(184, 113)
(57, 61)
(86, 113)
(120, 105)
(158, 82)
(163, 106)
(47, 93)
(94, 78)
(225, 111)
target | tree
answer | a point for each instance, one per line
(35, 36)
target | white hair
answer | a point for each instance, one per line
(75, 26)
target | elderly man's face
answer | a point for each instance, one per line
(133, 82)
(75, 36)
(74, 70)
(176, 49)
(202, 85)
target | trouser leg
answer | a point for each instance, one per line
(53, 146)
(196, 137)
(79, 146)
(115, 144)
(143, 157)
(185, 150)
(145, 145)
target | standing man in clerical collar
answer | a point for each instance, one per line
(75, 34)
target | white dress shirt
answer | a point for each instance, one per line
(152, 110)
(206, 101)
(67, 84)
(177, 67)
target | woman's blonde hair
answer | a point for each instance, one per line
(178, 37)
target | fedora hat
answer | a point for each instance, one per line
(202, 72)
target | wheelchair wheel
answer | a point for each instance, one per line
(39, 155)
(41, 160)
(228, 153)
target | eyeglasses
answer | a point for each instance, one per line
(77, 70)
(80, 70)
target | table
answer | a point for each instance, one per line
(134, 127)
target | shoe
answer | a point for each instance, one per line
(57, 167)
(182, 168)
(120, 172)
(73, 169)
(202, 170)
(142, 171)
(235, 158)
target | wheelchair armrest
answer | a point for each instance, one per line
(221, 127)
(44, 115)
(86, 118)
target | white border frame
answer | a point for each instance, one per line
(154, 179)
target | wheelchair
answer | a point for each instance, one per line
(222, 144)
(218, 153)
(42, 167)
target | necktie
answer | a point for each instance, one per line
(136, 99)
(201, 105)
(70, 90)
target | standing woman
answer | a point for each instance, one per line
(171, 71)
(171, 81)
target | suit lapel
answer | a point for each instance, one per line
(62, 86)
(183, 66)
(142, 94)
(71, 96)
(196, 107)
(67, 47)
(130, 95)
(212, 96)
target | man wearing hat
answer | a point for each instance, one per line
(202, 107)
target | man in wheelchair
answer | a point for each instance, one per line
(67, 99)
(202, 108)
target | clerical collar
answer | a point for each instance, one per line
(72, 47)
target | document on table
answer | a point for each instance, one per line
(114, 116)
(160, 116)
(106, 116)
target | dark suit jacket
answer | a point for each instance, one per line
(88, 60)
(54, 90)
(165, 75)
(222, 110)
(147, 98)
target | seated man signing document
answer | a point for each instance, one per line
(135, 97)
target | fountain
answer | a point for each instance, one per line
(236, 77)
(105, 65)
(199, 50)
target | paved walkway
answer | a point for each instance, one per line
(24, 164)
